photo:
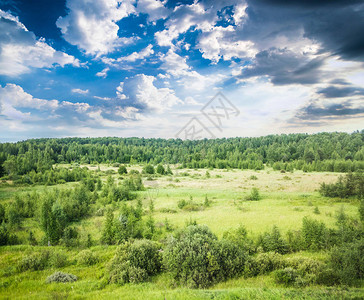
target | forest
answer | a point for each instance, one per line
(333, 152)
(152, 218)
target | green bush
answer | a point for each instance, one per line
(285, 276)
(273, 241)
(149, 169)
(58, 259)
(122, 170)
(347, 261)
(61, 277)
(135, 262)
(86, 258)
(34, 262)
(254, 195)
(263, 263)
(314, 234)
(195, 258)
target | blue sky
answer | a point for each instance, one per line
(146, 67)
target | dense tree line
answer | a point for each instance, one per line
(318, 152)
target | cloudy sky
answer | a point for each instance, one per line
(147, 67)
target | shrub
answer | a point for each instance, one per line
(148, 169)
(191, 257)
(254, 195)
(273, 241)
(181, 203)
(285, 276)
(135, 262)
(231, 259)
(61, 277)
(314, 234)
(195, 258)
(253, 177)
(263, 263)
(58, 259)
(86, 258)
(34, 262)
(347, 261)
(122, 170)
(161, 170)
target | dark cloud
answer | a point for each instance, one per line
(338, 111)
(284, 67)
(337, 25)
(310, 3)
(339, 92)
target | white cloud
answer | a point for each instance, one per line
(153, 8)
(176, 66)
(103, 73)
(141, 91)
(91, 25)
(14, 95)
(80, 91)
(218, 44)
(183, 18)
(20, 50)
(144, 53)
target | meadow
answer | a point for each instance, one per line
(285, 199)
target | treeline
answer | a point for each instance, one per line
(318, 152)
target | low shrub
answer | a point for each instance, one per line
(58, 259)
(34, 262)
(263, 263)
(61, 277)
(285, 276)
(86, 258)
(254, 195)
(135, 262)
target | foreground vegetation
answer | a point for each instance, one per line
(155, 231)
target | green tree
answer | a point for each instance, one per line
(108, 233)
(122, 170)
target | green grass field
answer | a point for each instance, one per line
(286, 199)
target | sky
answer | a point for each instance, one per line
(180, 69)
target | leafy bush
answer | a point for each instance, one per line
(195, 258)
(285, 276)
(61, 277)
(314, 234)
(122, 170)
(135, 262)
(58, 259)
(254, 195)
(148, 169)
(34, 262)
(86, 258)
(263, 263)
(350, 185)
(347, 261)
(273, 241)
(190, 258)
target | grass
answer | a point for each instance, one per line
(284, 203)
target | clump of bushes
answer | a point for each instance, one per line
(42, 260)
(195, 258)
(273, 241)
(189, 205)
(34, 262)
(347, 262)
(87, 258)
(135, 262)
(350, 185)
(61, 277)
(263, 263)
